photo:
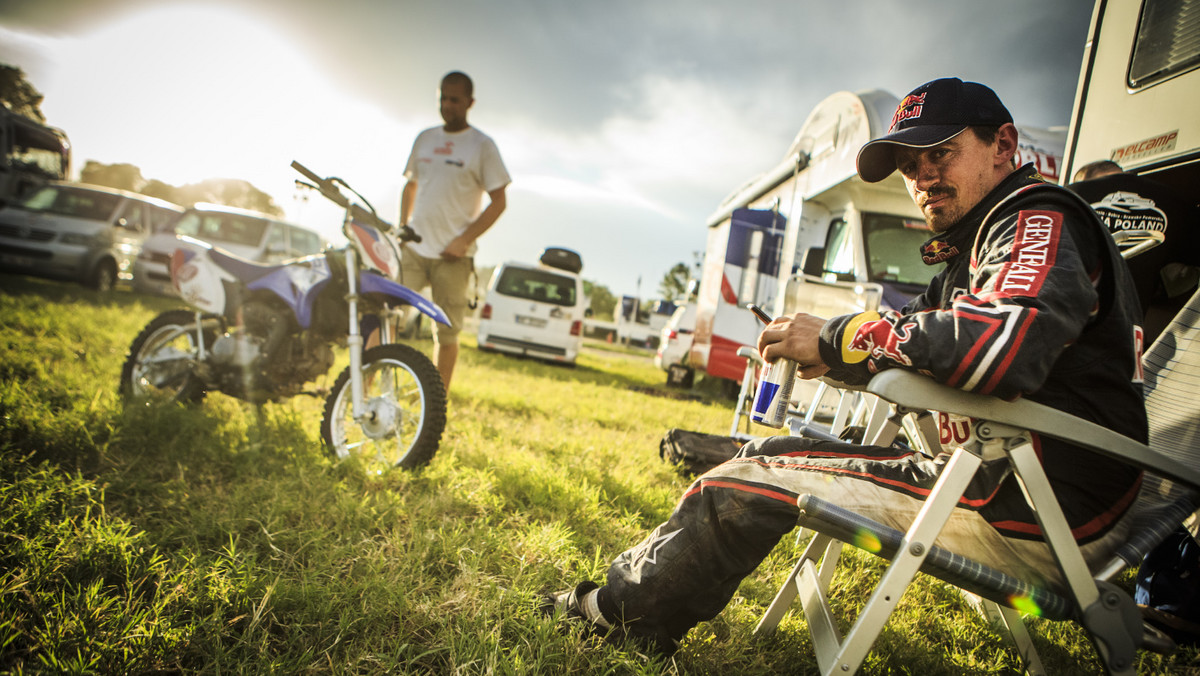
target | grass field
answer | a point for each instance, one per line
(221, 538)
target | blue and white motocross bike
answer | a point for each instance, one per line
(262, 332)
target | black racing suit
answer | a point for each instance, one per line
(1034, 301)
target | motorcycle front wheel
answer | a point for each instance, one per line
(404, 410)
(161, 357)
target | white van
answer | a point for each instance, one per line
(535, 309)
(79, 232)
(249, 234)
(675, 339)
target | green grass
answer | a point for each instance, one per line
(221, 538)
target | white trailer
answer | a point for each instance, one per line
(810, 236)
(1138, 99)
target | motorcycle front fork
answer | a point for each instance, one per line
(354, 340)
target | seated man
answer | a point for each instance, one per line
(1032, 300)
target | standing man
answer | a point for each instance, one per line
(450, 169)
(1032, 300)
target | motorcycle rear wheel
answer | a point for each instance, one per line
(160, 359)
(405, 410)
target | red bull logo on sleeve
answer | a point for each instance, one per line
(908, 109)
(884, 341)
(937, 251)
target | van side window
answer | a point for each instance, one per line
(277, 237)
(132, 214)
(161, 219)
(305, 242)
(839, 249)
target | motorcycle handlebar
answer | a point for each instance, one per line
(331, 192)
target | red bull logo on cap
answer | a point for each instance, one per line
(909, 108)
(937, 251)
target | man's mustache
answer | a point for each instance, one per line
(936, 192)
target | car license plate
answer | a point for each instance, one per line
(536, 322)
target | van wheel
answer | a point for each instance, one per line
(104, 276)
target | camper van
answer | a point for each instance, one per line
(1139, 90)
(31, 153)
(810, 236)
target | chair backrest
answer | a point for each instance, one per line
(1172, 385)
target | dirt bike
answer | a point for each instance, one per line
(262, 332)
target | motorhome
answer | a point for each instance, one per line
(31, 153)
(810, 236)
(1138, 93)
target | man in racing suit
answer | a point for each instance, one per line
(1032, 301)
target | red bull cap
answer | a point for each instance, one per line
(933, 113)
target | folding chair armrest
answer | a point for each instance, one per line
(910, 389)
(842, 386)
(750, 353)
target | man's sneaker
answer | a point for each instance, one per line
(580, 605)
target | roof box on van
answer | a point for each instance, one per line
(563, 259)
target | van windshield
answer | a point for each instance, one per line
(62, 201)
(538, 285)
(892, 245)
(224, 228)
(36, 149)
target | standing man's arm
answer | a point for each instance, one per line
(459, 245)
(408, 197)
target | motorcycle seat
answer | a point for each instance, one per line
(243, 268)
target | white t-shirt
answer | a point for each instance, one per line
(453, 171)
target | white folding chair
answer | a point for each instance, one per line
(1171, 492)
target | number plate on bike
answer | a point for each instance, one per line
(531, 321)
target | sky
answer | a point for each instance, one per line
(623, 123)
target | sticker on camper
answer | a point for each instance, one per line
(1151, 146)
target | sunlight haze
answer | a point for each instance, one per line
(623, 125)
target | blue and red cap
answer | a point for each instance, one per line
(933, 113)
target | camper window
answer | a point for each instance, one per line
(1163, 48)
(891, 243)
(839, 249)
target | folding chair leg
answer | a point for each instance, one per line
(1008, 621)
(811, 413)
(934, 514)
(841, 414)
(1108, 614)
(878, 423)
(923, 432)
(744, 402)
(822, 547)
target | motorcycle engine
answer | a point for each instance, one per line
(239, 350)
(269, 357)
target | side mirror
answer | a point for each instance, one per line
(587, 312)
(814, 262)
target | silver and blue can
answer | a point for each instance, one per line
(774, 393)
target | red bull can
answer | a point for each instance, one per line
(774, 392)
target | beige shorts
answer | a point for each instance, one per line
(447, 282)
